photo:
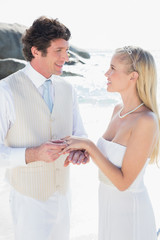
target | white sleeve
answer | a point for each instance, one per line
(78, 128)
(9, 157)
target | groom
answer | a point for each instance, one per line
(39, 106)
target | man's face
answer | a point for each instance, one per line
(52, 63)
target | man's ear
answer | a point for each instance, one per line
(34, 51)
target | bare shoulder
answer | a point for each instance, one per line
(145, 132)
(117, 108)
(147, 120)
(149, 117)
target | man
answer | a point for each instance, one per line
(29, 131)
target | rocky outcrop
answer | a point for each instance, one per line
(11, 56)
(10, 65)
(80, 52)
(10, 40)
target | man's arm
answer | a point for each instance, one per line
(77, 157)
(9, 157)
(14, 157)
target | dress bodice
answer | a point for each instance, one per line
(115, 153)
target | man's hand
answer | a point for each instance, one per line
(47, 152)
(77, 157)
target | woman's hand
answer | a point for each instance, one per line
(77, 149)
(75, 143)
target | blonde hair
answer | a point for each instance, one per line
(143, 62)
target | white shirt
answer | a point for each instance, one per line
(13, 157)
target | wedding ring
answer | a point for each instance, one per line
(65, 141)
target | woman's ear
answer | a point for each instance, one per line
(134, 76)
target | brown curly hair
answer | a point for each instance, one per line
(41, 33)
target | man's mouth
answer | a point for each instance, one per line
(59, 65)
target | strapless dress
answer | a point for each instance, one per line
(123, 215)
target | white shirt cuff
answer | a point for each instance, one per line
(17, 157)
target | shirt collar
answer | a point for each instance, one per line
(35, 76)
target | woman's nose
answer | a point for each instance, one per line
(106, 74)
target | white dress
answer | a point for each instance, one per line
(123, 215)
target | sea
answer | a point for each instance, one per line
(96, 106)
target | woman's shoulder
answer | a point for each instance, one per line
(148, 116)
(147, 119)
(117, 108)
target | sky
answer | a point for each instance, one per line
(94, 24)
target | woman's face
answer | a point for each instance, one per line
(118, 80)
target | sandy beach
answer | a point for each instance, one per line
(84, 186)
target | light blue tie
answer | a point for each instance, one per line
(47, 95)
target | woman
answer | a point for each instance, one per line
(130, 142)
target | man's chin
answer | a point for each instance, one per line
(58, 73)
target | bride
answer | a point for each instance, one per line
(130, 142)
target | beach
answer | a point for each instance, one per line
(84, 186)
(96, 107)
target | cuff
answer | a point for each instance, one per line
(17, 157)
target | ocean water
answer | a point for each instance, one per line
(96, 106)
(91, 88)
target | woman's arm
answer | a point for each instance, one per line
(139, 148)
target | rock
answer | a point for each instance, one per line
(66, 74)
(10, 40)
(74, 58)
(10, 65)
(80, 52)
(11, 50)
